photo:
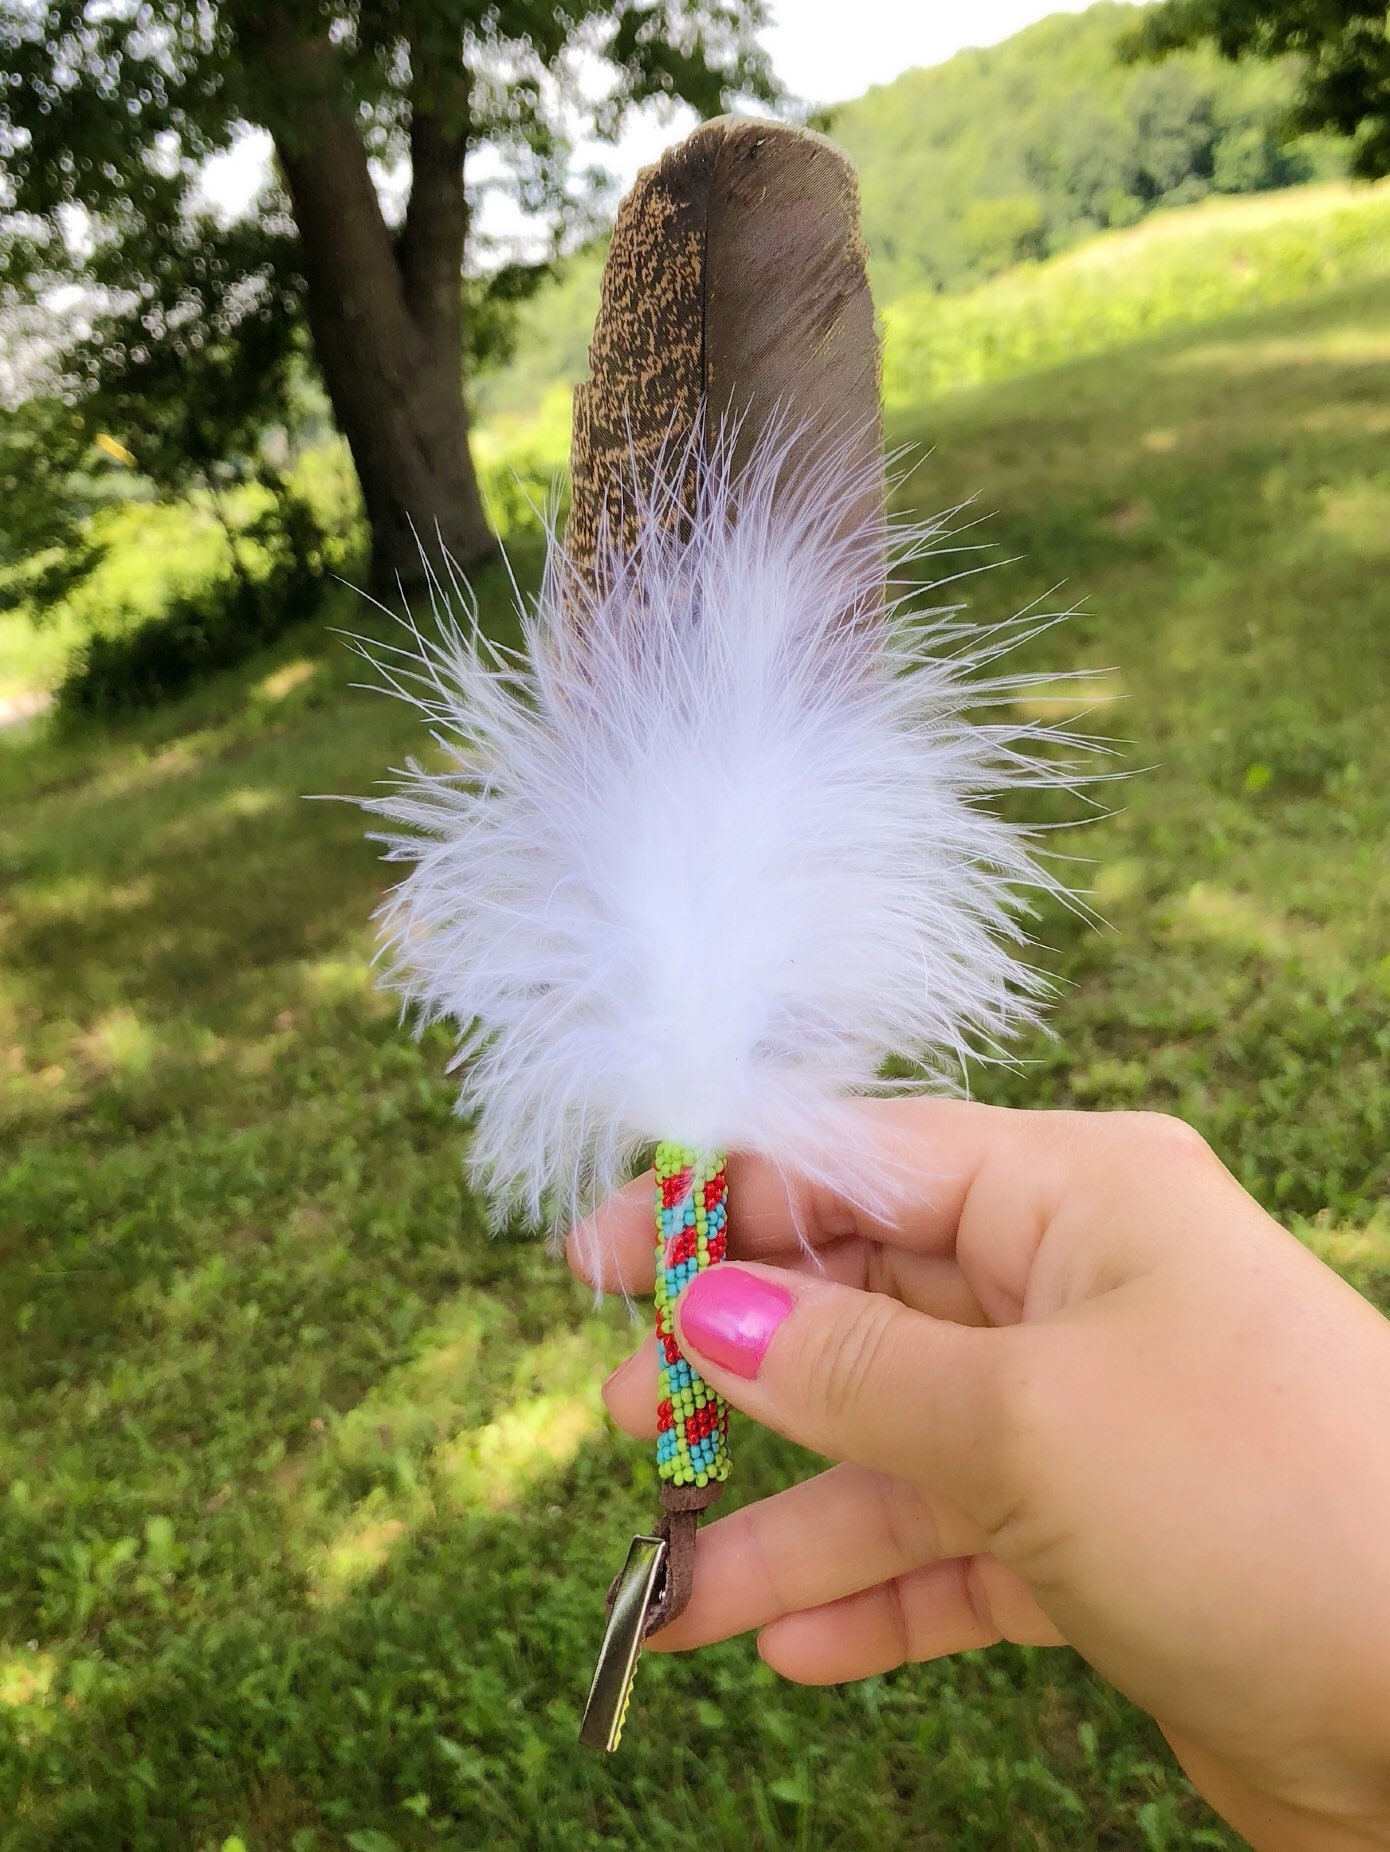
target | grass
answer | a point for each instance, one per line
(307, 1499)
(1177, 268)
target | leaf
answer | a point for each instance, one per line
(795, 1789)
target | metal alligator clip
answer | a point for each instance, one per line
(631, 1601)
(648, 1593)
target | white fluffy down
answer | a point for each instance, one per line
(710, 850)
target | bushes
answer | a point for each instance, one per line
(199, 633)
(213, 627)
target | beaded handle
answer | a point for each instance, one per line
(692, 1442)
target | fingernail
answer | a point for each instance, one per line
(729, 1316)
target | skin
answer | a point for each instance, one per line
(1082, 1390)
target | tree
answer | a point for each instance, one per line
(1343, 46)
(110, 110)
(1176, 132)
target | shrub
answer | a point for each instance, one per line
(199, 632)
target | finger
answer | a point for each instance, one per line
(859, 1377)
(932, 1283)
(946, 1607)
(945, 1156)
(922, 1281)
(846, 1529)
(630, 1393)
(614, 1249)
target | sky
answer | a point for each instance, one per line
(824, 51)
(819, 59)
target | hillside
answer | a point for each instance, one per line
(998, 157)
(1017, 151)
(1190, 264)
(307, 1488)
(1193, 264)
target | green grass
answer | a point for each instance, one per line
(307, 1499)
(1176, 269)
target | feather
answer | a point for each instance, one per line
(734, 300)
(706, 855)
(714, 881)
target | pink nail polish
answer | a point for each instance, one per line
(729, 1316)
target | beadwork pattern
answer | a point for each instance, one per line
(692, 1443)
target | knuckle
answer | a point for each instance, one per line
(977, 1585)
(844, 1371)
(908, 1522)
(1166, 1139)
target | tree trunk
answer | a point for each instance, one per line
(387, 324)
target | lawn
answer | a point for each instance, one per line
(306, 1498)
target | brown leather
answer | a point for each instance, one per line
(679, 1520)
(681, 1506)
(689, 1497)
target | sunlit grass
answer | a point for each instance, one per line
(1176, 269)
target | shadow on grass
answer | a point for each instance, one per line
(435, 1700)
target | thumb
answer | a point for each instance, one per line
(856, 1376)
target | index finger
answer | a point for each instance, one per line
(952, 1166)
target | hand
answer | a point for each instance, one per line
(1084, 1391)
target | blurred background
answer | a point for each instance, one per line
(306, 1498)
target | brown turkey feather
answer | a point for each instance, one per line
(734, 291)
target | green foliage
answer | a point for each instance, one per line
(1343, 53)
(46, 542)
(306, 1502)
(1015, 152)
(1193, 266)
(226, 619)
(521, 466)
(551, 334)
(198, 346)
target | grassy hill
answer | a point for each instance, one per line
(306, 1495)
(1183, 265)
(1179, 267)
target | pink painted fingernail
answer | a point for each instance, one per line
(729, 1316)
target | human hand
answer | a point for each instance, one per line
(1083, 1391)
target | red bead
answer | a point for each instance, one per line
(675, 1189)
(700, 1424)
(681, 1248)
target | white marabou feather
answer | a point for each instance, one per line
(704, 855)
